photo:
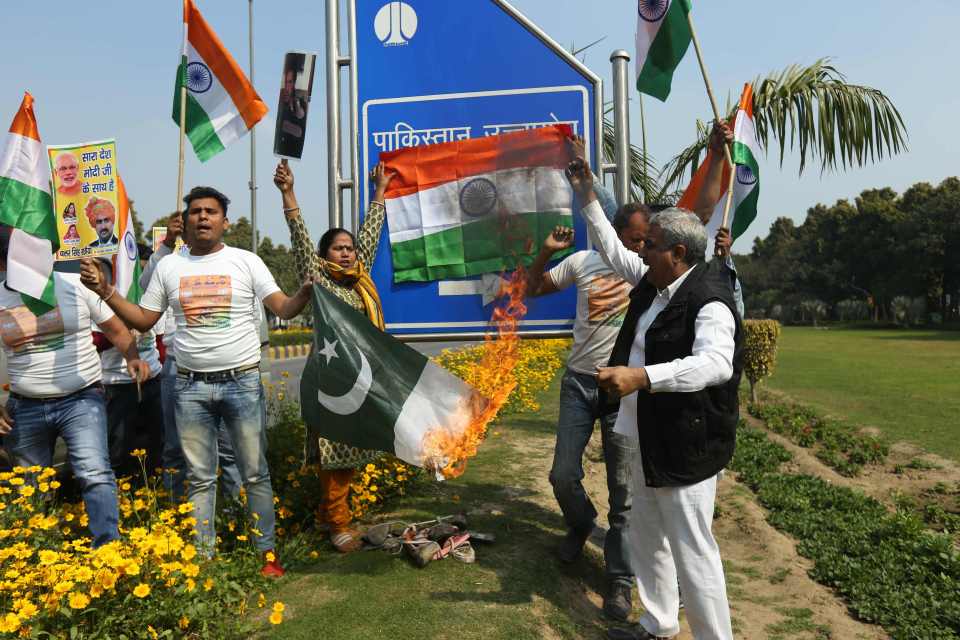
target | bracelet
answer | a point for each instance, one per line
(378, 203)
(291, 209)
(112, 291)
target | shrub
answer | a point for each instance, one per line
(290, 337)
(760, 351)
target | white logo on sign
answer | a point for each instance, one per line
(395, 24)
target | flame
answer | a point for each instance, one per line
(446, 453)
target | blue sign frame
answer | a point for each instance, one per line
(428, 71)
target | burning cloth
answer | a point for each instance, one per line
(367, 389)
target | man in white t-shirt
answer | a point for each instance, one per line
(212, 291)
(602, 300)
(55, 388)
(174, 465)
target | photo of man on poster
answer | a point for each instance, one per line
(295, 89)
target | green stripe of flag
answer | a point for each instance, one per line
(479, 247)
(28, 209)
(204, 139)
(666, 51)
(746, 210)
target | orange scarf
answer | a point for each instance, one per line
(359, 280)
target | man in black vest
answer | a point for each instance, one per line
(676, 368)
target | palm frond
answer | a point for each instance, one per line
(814, 110)
(645, 184)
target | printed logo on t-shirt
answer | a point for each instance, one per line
(24, 332)
(206, 300)
(607, 300)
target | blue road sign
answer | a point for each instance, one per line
(435, 71)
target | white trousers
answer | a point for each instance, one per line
(671, 541)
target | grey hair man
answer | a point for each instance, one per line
(675, 368)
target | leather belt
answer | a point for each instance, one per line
(217, 376)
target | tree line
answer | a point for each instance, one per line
(883, 257)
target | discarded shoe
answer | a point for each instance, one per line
(441, 531)
(421, 551)
(346, 541)
(464, 553)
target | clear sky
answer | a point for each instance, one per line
(105, 68)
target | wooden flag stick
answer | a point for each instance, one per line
(183, 126)
(716, 115)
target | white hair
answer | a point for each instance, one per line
(684, 228)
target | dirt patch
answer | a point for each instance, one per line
(771, 595)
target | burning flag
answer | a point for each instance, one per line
(365, 388)
(450, 203)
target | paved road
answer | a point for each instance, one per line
(273, 369)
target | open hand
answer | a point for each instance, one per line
(561, 238)
(381, 178)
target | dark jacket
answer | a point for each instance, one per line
(684, 437)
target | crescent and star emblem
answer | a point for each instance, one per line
(353, 399)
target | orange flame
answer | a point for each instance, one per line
(447, 452)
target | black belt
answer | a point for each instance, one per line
(95, 385)
(217, 376)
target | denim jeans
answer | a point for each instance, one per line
(579, 409)
(240, 403)
(175, 474)
(81, 420)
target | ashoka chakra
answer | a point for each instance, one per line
(199, 77)
(478, 197)
(745, 174)
(652, 10)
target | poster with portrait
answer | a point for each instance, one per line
(159, 233)
(85, 198)
(296, 85)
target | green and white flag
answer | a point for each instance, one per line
(222, 105)
(27, 206)
(663, 36)
(365, 388)
(475, 206)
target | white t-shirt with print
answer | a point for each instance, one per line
(212, 298)
(114, 365)
(52, 354)
(602, 301)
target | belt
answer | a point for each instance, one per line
(95, 385)
(217, 376)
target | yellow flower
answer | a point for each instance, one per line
(183, 622)
(191, 570)
(27, 491)
(242, 538)
(153, 632)
(48, 557)
(138, 453)
(270, 556)
(276, 618)
(125, 486)
(185, 508)
(10, 623)
(79, 601)
(141, 590)
(27, 610)
(278, 607)
(208, 584)
(314, 555)
(54, 484)
(191, 585)
(261, 600)
(63, 587)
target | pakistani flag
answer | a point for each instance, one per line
(365, 388)
(663, 36)
(222, 105)
(475, 206)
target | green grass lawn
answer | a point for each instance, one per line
(516, 589)
(904, 382)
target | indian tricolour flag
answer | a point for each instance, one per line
(26, 205)
(746, 184)
(365, 388)
(126, 262)
(476, 206)
(221, 103)
(663, 36)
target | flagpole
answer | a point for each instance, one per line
(643, 136)
(183, 112)
(253, 148)
(716, 115)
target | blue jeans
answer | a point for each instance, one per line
(240, 403)
(81, 420)
(175, 474)
(579, 409)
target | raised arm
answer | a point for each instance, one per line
(625, 263)
(537, 284)
(304, 253)
(703, 206)
(133, 315)
(368, 238)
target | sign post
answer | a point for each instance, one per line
(429, 71)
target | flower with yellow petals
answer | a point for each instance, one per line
(141, 590)
(261, 601)
(276, 618)
(9, 623)
(27, 491)
(48, 557)
(278, 607)
(79, 600)
(183, 622)
(190, 585)
(208, 584)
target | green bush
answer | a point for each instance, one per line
(760, 351)
(290, 337)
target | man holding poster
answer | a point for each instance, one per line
(85, 181)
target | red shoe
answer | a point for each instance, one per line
(272, 568)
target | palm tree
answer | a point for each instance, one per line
(811, 109)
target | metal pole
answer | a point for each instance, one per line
(333, 113)
(621, 123)
(643, 134)
(253, 149)
(356, 175)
